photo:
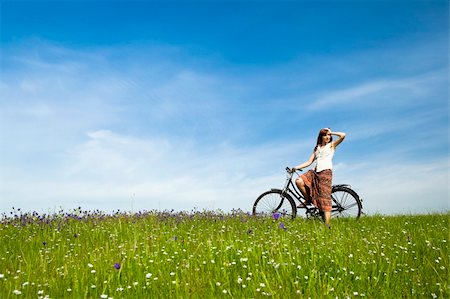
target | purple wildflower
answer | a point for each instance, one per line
(44, 243)
(117, 266)
(282, 226)
(250, 231)
(276, 216)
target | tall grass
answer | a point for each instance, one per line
(216, 255)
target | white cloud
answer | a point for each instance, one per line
(382, 91)
(108, 171)
(388, 187)
(86, 130)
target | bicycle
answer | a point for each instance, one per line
(282, 202)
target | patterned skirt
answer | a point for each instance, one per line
(319, 185)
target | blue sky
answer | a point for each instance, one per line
(161, 104)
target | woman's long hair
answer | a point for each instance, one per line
(319, 138)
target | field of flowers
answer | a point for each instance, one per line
(201, 254)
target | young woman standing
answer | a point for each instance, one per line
(316, 184)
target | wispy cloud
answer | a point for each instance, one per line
(388, 186)
(110, 168)
(392, 91)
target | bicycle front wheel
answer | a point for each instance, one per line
(346, 203)
(275, 204)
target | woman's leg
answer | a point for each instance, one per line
(327, 218)
(303, 189)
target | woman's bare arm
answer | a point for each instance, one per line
(340, 139)
(307, 163)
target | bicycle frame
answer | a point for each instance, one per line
(292, 190)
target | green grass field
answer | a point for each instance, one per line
(217, 255)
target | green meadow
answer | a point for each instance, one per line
(202, 254)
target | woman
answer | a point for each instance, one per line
(315, 185)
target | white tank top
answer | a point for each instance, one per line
(324, 157)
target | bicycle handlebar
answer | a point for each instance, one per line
(290, 170)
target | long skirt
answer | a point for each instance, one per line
(319, 185)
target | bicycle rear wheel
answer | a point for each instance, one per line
(346, 203)
(275, 204)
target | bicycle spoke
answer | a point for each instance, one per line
(346, 203)
(273, 204)
(346, 207)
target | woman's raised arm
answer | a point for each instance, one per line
(341, 138)
(305, 164)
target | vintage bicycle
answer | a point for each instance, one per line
(287, 201)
